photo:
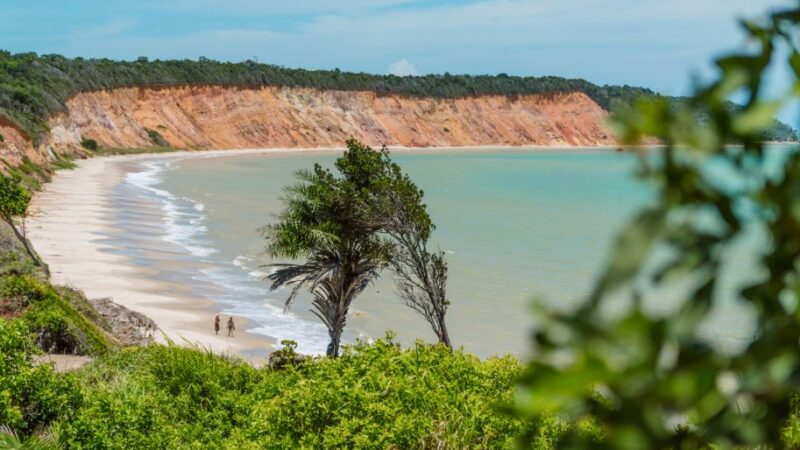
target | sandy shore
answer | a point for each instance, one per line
(72, 214)
(68, 220)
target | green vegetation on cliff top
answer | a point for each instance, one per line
(33, 87)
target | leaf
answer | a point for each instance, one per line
(794, 63)
(757, 118)
(632, 246)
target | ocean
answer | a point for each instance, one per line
(517, 226)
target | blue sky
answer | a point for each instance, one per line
(652, 43)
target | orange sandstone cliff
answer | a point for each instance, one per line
(206, 117)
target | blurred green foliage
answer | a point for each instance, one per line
(650, 380)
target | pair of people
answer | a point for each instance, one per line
(231, 326)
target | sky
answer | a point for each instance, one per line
(652, 43)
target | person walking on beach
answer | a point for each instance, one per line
(216, 324)
(231, 327)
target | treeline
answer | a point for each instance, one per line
(34, 87)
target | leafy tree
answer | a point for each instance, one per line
(651, 381)
(14, 201)
(394, 207)
(375, 205)
(322, 222)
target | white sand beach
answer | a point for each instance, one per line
(68, 219)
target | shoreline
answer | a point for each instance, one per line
(287, 150)
(69, 219)
(71, 216)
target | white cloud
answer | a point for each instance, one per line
(271, 8)
(112, 28)
(402, 68)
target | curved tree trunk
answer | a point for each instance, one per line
(335, 329)
(333, 347)
(333, 310)
(443, 335)
(27, 245)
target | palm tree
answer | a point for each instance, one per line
(334, 275)
(41, 439)
(321, 224)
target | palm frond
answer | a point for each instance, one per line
(41, 439)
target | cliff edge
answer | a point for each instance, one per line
(224, 117)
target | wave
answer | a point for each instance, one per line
(235, 284)
(311, 338)
(240, 261)
(183, 221)
(247, 297)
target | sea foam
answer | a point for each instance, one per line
(183, 221)
(235, 284)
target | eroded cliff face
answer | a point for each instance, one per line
(224, 117)
(206, 117)
(14, 144)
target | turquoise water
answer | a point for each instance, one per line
(515, 225)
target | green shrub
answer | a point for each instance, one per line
(286, 356)
(156, 138)
(89, 144)
(655, 380)
(29, 182)
(2, 138)
(381, 396)
(79, 301)
(32, 170)
(58, 327)
(373, 396)
(15, 263)
(63, 164)
(30, 397)
(162, 397)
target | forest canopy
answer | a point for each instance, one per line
(34, 87)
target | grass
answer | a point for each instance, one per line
(62, 162)
(14, 260)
